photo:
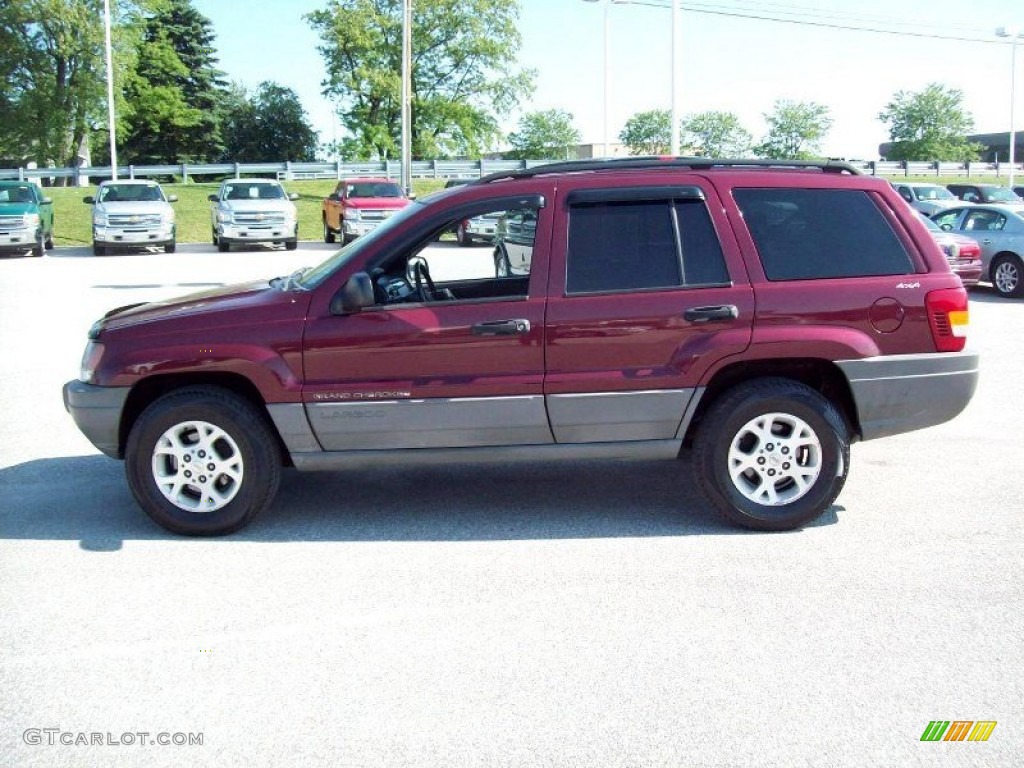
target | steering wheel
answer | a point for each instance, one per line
(419, 274)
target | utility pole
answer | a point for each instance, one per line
(407, 95)
(110, 91)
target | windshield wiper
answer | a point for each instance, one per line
(291, 282)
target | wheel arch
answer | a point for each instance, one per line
(152, 388)
(823, 376)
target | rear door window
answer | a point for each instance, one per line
(808, 234)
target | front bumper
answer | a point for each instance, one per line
(97, 413)
(358, 228)
(21, 239)
(257, 233)
(901, 393)
(111, 236)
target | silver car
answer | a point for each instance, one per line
(929, 199)
(999, 229)
(131, 213)
(253, 211)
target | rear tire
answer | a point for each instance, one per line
(462, 236)
(772, 454)
(202, 461)
(48, 243)
(1008, 276)
(502, 267)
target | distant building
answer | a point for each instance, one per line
(997, 147)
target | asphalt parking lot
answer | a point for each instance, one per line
(591, 614)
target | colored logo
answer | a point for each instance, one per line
(958, 730)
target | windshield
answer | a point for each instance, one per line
(321, 272)
(18, 194)
(242, 190)
(934, 193)
(135, 193)
(373, 189)
(1000, 195)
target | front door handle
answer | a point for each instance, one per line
(516, 327)
(707, 314)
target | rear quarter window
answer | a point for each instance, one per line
(808, 234)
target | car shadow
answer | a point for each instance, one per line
(986, 294)
(86, 498)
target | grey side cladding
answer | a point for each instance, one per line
(615, 416)
(901, 393)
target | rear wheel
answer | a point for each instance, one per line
(1008, 276)
(202, 461)
(462, 236)
(772, 454)
(502, 267)
(48, 243)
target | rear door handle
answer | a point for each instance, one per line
(516, 327)
(707, 314)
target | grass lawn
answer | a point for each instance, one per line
(73, 218)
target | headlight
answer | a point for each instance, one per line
(353, 214)
(224, 216)
(31, 219)
(90, 361)
(99, 220)
(167, 218)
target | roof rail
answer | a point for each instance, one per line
(684, 163)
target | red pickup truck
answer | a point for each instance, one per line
(357, 206)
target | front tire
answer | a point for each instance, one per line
(1008, 276)
(98, 250)
(772, 454)
(502, 267)
(170, 247)
(328, 233)
(291, 245)
(202, 461)
(462, 236)
(38, 250)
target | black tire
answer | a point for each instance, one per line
(346, 239)
(1007, 273)
(170, 247)
(328, 233)
(462, 236)
(291, 245)
(502, 267)
(257, 451)
(38, 250)
(728, 419)
(98, 250)
(213, 236)
(222, 247)
(48, 243)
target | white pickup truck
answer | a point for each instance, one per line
(131, 213)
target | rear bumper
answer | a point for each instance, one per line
(97, 412)
(901, 393)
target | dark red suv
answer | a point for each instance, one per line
(760, 317)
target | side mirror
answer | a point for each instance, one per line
(332, 196)
(46, 201)
(212, 198)
(354, 295)
(89, 199)
(172, 198)
(293, 196)
(947, 227)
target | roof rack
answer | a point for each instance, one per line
(687, 163)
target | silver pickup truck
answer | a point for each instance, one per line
(253, 211)
(131, 213)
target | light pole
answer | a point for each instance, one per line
(607, 69)
(1014, 34)
(407, 96)
(676, 79)
(110, 90)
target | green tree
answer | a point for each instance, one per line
(716, 134)
(648, 133)
(795, 130)
(51, 62)
(930, 125)
(270, 125)
(173, 97)
(464, 72)
(544, 135)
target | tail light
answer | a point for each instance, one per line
(948, 318)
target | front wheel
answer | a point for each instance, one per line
(502, 267)
(462, 237)
(202, 461)
(170, 248)
(38, 250)
(328, 233)
(98, 250)
(772, 454)
(291, 245)
(1007, 277)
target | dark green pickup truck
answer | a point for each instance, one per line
(26, 218)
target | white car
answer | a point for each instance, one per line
(928, 198)
(254, 211)
(131, 213)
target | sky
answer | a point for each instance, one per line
(728, 61)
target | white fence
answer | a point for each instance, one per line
(429, 169)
